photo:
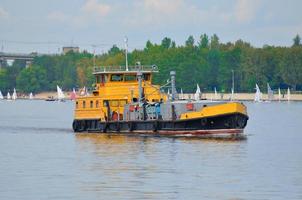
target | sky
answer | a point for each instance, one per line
(95, 25)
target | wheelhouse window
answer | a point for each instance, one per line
(122, 102)
(116, 77)
(130, 77)
(98, 79)
(146, 77)
(101, 78)
(113, 103)
(116, 103)
(91, 104)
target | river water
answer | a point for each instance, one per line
(41, 158)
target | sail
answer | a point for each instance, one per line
(61, 95)
(8, 96)
(216, 95)
(73, 94)
(270, 93)
(257, 94)
(279, 94)
(14, 96)
(197, 93)
(181, 94)
(288, 94)
(1, 96)
(83, 91)
(31, 96)
(232, 94)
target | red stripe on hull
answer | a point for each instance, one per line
(217, 133)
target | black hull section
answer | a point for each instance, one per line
(226, 124)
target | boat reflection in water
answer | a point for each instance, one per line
(151, 167)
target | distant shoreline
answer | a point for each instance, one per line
(208, 96)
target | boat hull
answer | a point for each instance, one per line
(224, 125)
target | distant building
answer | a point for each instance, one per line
(68, 49)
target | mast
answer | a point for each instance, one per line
(140, 87)
(172, 74)
(126, 52)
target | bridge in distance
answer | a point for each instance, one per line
(28, 58)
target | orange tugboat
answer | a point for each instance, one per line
(125, 101)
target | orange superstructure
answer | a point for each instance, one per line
(115, 87)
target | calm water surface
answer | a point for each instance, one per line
(41, 158)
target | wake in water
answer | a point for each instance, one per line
(29, 129)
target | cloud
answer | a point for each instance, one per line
(245, 10)
(58, 16)
(163, 6)
(186, 14)
(90, 12)
(3, 13)
(161, 13)
(93, 7)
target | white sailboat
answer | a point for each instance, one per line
(14, 96)
(288, 94)
(197, 93)
(60, 94)
(8, 97)
(73, 95)
(1, 96)
(31, 96)
(258, 94)
(216, 95)
(270, 93)
(181, 94)
(84, 92)
(232, 94)
(279, 94)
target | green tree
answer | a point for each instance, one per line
(204, 41)
(3, 80)
(166, 43)
(32, 79)
(114, 50)
(297, 40)
(214, 42)
(190, 41)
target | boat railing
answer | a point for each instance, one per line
(142, 68)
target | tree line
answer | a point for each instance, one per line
(204, 60)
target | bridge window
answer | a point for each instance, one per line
(84, 104)
(116, 77)
(116, 103)
(98, 79)
(122, 102)
(113, 103)
(146, 77)
(101, 78)
(129, 77)
(97, 104)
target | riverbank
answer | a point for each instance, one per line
(209, 96)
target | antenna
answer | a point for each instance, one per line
(126, 51)
(93, 46)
